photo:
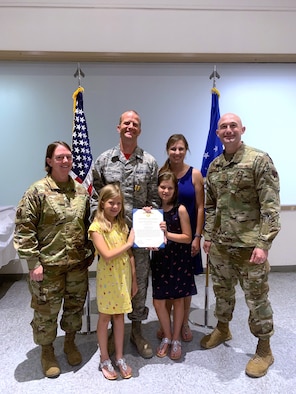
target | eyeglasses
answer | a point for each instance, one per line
(61, 157)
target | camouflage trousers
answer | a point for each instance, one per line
(60, 285)
(142, 262)
(228, 266)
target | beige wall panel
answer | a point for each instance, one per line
(252, 30)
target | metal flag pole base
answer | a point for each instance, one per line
(204, 317)
(89, 324)
(89, 321)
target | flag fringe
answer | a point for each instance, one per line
(215, 90)
(74, 97)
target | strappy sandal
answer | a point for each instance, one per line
(186, 333)
(176, 350)
(124, 369)
(162, 349)
(108, 370)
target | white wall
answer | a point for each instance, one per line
(36, 109)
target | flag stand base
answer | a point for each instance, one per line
(204, 317)
(89, 324)
(89, 321)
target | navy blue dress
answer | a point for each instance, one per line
(171, 267)
(186, 197)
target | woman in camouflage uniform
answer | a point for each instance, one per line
(51, 234)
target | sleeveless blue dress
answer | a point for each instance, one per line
(186, 197)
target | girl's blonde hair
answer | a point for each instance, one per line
(107, 192)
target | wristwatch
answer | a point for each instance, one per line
(197, 236)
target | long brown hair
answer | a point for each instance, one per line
(169, 176)
(171, 141)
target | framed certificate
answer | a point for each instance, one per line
(147, 230)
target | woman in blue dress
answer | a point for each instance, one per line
(191, 195)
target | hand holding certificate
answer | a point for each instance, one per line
(146, 225)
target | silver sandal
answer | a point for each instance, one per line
(164, 341)
(110, 368)
(176, 350)
(123, 367)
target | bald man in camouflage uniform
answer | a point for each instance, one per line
(136, 172)
(51, 234)
(242, 220)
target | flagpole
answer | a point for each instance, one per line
(214, 76)
(79, 73)
(205, 317)
(209, 318)
(89, 320)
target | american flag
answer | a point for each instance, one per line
(213, 147)
(82, 157)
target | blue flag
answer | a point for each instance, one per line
(214, 147)
(82, 157)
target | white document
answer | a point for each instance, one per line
(147, 228)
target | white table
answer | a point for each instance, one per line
(7, 251)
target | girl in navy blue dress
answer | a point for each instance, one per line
(191, 195)
(172, 276)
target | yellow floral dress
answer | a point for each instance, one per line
(114, 278)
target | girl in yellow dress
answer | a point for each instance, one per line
(116, 276)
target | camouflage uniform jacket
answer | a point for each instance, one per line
(242, 200)
(52, 223)
(137, 177)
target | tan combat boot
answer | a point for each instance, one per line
(141, 343)
(220, 334)
(262, 360)
(73, 355)
(50, 366)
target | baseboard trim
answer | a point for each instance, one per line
(283, 268)
(92, 274)
(12, 277)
